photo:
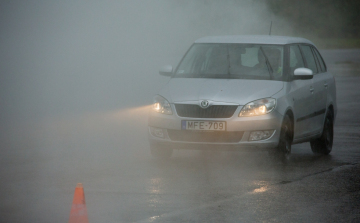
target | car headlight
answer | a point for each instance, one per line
(258, 107)
(161, 105)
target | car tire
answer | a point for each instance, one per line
(323, 145)
(283, 150)
(160, 152)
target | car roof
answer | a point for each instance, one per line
(254, 39)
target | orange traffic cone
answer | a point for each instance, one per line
(78, 213)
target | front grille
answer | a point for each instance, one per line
(198, 136)
(214, 111)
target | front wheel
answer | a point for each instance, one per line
(283, 150)
(323, 145)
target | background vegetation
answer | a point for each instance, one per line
(330, 23)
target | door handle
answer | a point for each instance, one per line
(325, 85)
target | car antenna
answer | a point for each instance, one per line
(270, 28)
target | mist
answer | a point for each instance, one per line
(76, 82)
(71, 57)
(80, 75)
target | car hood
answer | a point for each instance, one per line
(233, 91)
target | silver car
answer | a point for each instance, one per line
(245, 92)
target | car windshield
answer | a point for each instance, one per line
(241, 61)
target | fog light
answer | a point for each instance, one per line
(157, 132)
(260, 135)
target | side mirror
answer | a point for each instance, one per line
(166, 70)
(303, 74)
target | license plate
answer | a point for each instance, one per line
(203, 125)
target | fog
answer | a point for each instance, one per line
(76, 82)
(71, 59)
(76, 56)
(76, 79)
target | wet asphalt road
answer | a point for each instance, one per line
(42, 162)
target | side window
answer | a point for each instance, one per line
(309, 57)
(296, 60)
(321, 62)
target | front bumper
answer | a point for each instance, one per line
(237, 133)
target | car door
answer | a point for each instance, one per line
(314, 112)
(301, 94)
(321, 83)
(319, 93)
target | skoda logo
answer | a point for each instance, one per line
(204, 104)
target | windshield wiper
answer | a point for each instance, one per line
(268, 63)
